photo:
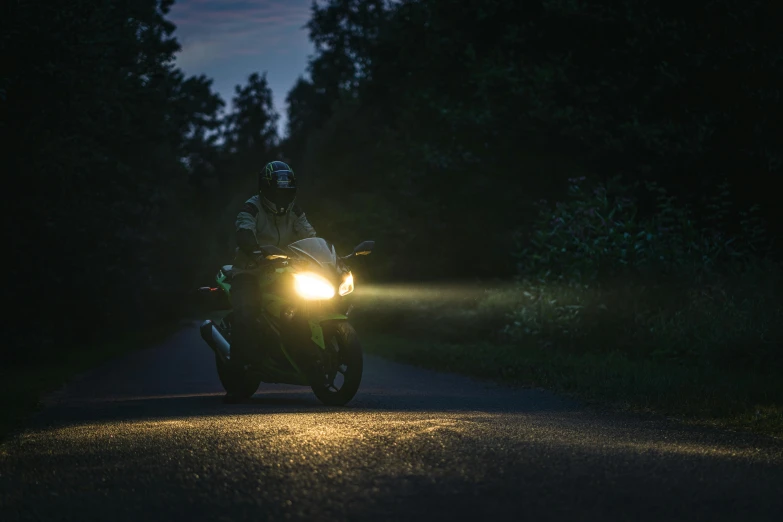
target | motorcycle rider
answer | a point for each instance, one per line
(271, 217)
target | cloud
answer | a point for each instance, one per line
(211, 31)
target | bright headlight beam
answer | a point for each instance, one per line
(312, 286)
(347, 285)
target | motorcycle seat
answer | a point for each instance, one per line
(228, 270)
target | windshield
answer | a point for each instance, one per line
(316, 249)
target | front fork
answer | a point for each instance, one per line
(317, 327)
(307, 338)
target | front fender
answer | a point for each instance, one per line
(316, 327)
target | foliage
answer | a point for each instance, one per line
(479, 102)
(122, 190)
(661, 283)
(707, 351)
(600, 231)
(251, 130)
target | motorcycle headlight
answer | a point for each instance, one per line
(346, 287)
(313, 286)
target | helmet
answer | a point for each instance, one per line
(277, 187)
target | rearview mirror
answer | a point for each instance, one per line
(364, 248)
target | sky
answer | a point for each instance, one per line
(229, 40)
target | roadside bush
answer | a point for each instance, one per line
(624, 296)
(605, 230)
(602, 273)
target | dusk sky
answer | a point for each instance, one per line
(229, 40)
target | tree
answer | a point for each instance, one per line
(483, 100)
(251, 127)
(101, 121)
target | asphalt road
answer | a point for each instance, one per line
(148, 438)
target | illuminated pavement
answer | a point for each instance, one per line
(148, 438)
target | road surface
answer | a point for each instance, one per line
(147, 438)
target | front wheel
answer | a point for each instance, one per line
(341, 373)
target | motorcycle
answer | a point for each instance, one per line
(304, 337)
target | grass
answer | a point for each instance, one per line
(22, 386)
(709, 354)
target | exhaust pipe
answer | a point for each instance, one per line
(215, 340)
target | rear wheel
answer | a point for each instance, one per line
(341, 373)
(238, 383)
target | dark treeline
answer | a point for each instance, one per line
(438, 123)
(431, 126)
(124, 175)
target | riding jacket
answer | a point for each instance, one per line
(256, 228)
